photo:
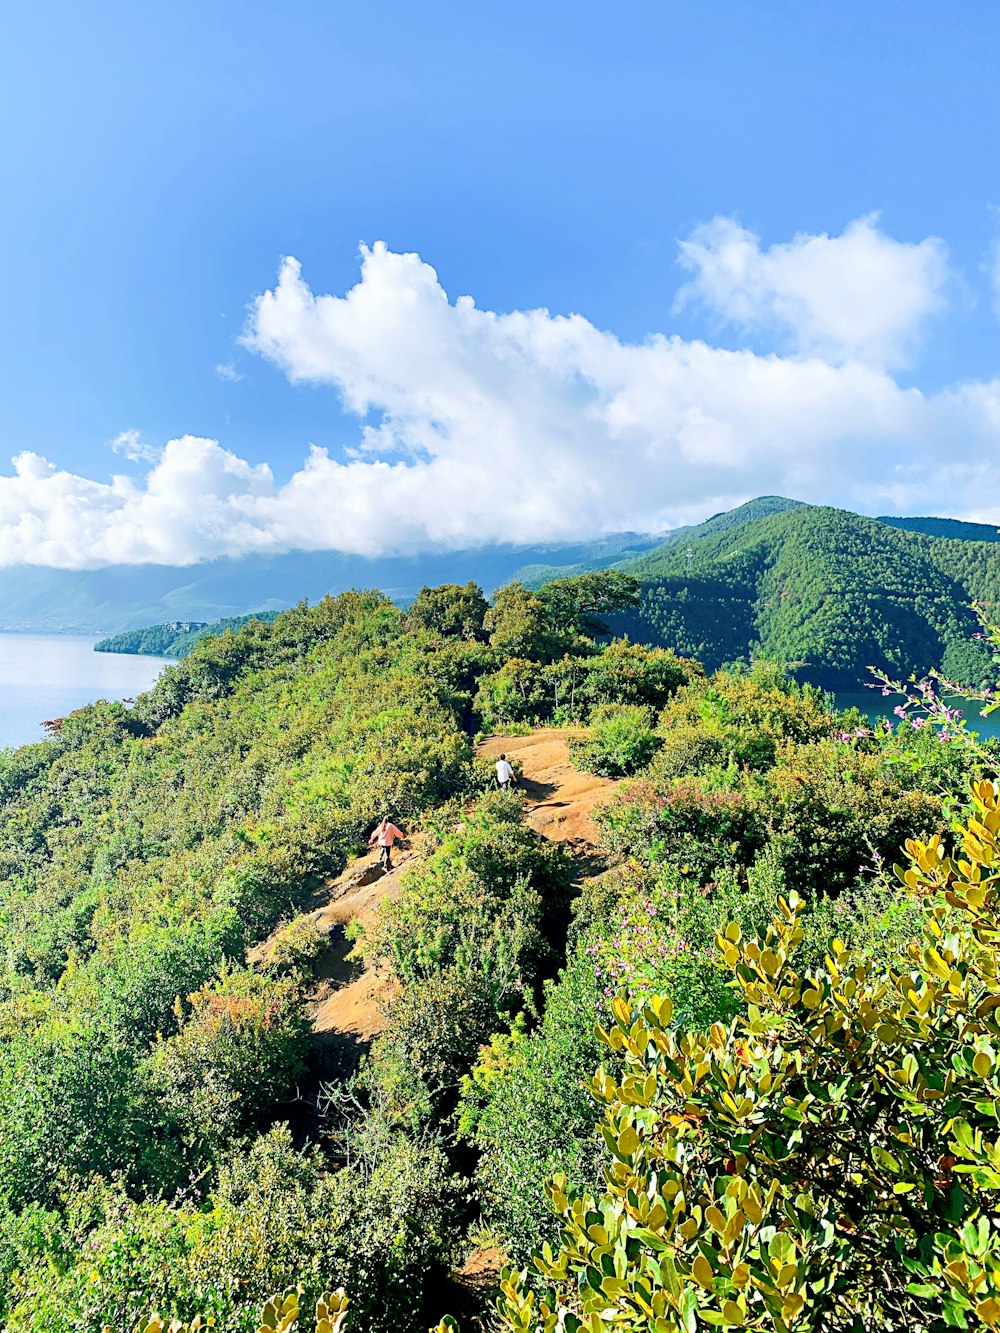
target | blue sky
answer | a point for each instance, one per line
(160, 160)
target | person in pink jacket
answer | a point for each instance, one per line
(385, 835)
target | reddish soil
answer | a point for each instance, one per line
(561, 799)
(348, 993)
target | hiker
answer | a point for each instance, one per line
(385, 835)
(505, 774)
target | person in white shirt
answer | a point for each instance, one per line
(505, 774)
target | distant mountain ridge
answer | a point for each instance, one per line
(826, 590)
(127, 597)
(945, 527)
(765, 505)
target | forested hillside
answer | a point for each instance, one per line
(828, 592)
(535, 575)
(175, 1133)
(945, 527)
(174, 638)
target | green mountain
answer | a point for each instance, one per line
(614, 552)
(824, 590)
(763, 507)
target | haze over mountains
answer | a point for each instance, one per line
(122, 597)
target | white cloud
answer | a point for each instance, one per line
(130, 445)
(520, 427)
(226, 370)
(858, 296)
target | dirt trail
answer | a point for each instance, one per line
(347, 994)
(560, 800)
(347, 1000)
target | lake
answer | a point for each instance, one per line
(877, 706)
(44, 676)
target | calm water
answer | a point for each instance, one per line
(875, 705)
(48, 675)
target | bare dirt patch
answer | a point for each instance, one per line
(561, 799)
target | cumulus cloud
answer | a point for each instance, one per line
(860, 296)
(193, 502)
(523, 427)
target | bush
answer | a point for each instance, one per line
(752, 712)
(526, 1108)
(236, 1058)
(70, 1106)
(630, 673)
(620, 740)
(378, 1227)
(686, 750)
(518, 693)
(296, 947)
(836, 814)
(827, 1161)
(696, 825)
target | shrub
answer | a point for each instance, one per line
(695, 825)
(237, 1056)
(378, 1227)
(71, 1105)
(519, 692)
(620, 740)
(630, 673)
(827, 1161)
(526, 1108)
(296, 947)
(687, 749)
(752, 710)
(833, 810)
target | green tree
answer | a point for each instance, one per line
(576, 606)
(518, 624)
(451, 610)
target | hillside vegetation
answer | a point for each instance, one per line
(946, 527)
(176, 1136)
(828, 592)
(618, 556)
(174, 638)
